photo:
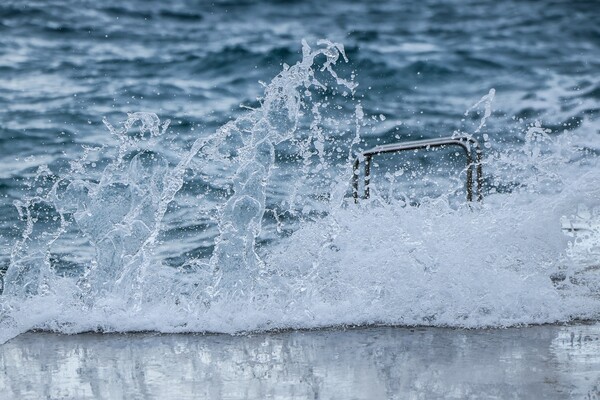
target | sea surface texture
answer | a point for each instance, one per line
(187, 166)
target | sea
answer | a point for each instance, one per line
(199, 166)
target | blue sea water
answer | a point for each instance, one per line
(237, 214)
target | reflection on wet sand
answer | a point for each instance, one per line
(367, 363)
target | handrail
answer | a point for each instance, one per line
(465, 142)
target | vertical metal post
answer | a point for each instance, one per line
(355, 173)
(469, 176)
(367, 176)
(479, 174)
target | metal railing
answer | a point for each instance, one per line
(464, 142)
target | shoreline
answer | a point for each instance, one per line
(543, 361)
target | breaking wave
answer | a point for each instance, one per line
(254, 227)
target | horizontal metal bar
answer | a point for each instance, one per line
(421, 144)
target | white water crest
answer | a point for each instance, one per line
(297, 252)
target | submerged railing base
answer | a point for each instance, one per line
(468, 144)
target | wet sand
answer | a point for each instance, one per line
(553, 362)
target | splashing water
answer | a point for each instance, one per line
(300, 255)
(487, 101)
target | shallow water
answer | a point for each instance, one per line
(223, 204)
(550, 362)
